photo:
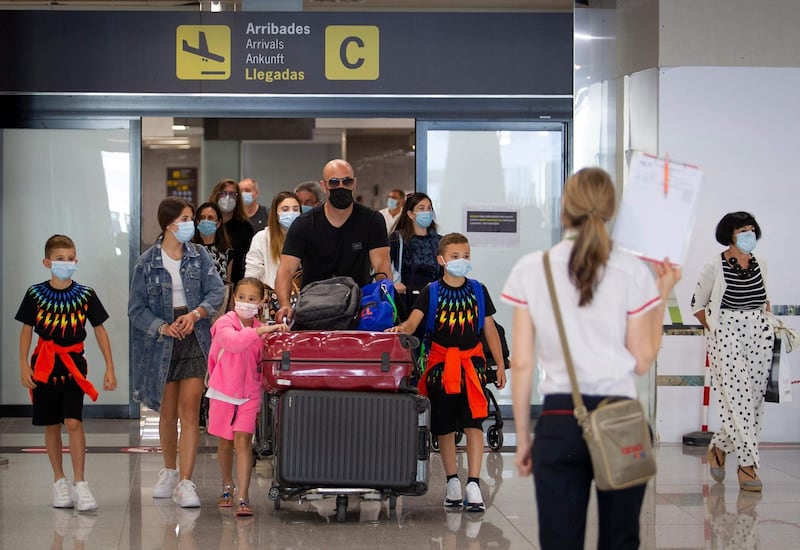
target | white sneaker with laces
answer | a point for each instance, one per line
(61, 494)
(82, 497)
(185, 494)
(167, 481)
(453, 498)
(474, 500)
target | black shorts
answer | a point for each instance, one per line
(451, 412)
(57, 400)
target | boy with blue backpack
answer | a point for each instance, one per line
(456, 309)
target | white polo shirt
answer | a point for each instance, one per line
(595, 332)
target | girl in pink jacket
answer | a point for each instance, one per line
(234, 388)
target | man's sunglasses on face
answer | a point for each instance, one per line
(346, 182)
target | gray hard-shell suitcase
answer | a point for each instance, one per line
(349, 440)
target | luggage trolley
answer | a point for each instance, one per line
(328, 429)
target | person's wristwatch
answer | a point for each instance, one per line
(197, 315)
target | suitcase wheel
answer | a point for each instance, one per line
(435, 443)
(341, 508)
(494, 437)
(274, 494)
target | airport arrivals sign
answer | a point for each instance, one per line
(508, 54)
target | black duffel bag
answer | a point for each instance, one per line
(330, 304)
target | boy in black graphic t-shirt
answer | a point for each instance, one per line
(455, 311)
(57, 311)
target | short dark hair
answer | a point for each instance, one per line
(57, 241)
(451, 238)
(732, 221)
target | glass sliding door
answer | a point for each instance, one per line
(75, 182)
(500, 185)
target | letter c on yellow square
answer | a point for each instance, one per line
(352, 52)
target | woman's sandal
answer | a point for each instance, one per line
(226, 498)
(716, 463)
(748, 480)
(243, 509)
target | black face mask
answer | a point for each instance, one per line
(340, 197)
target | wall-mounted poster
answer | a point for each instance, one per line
(489, 226)
(182, 182)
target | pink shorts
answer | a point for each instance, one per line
(226, 418)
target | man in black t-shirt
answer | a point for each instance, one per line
(337, 238)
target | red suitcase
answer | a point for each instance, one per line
(348, 360)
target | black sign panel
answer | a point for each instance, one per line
(515, 54)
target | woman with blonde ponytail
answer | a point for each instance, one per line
(612, 310)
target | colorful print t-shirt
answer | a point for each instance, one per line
(60, 315)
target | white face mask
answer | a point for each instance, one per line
(226, 203)
(245, 310)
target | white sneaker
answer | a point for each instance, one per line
(474, 500)
(167, 481)
(82, 497)
(453, 498)
(61, 494)
(185, 494)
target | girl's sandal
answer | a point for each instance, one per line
(226, 498)
(243, 509)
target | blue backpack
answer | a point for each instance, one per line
(378, 307)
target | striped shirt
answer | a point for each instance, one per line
(745, 287)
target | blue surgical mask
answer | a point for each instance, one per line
(62, 270)
(459, 267)
(391, 203)
(248, 198)
(207, 227)
(306, 208)
(286, 218)
(746, 241)
(424, 219)
(185, 231)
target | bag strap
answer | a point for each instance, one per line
(430, 318)
(577, 401)
(400, 260)
(477, 288)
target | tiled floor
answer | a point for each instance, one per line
(683, 507)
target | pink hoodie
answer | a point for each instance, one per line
(238, 372)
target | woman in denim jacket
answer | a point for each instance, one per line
(174, 292)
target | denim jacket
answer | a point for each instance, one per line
(150, 306)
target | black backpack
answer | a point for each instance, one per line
(330, 304)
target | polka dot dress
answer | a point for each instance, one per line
(740, 355)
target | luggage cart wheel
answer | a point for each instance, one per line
(341, 508)
(434, 443)
(274, 494)
(494, 438)
(459, 436)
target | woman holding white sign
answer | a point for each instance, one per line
(730, 300)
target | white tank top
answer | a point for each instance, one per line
(173, 267)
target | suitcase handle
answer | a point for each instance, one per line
(285, 362)
(385, 361)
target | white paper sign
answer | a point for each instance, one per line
(657, 211)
